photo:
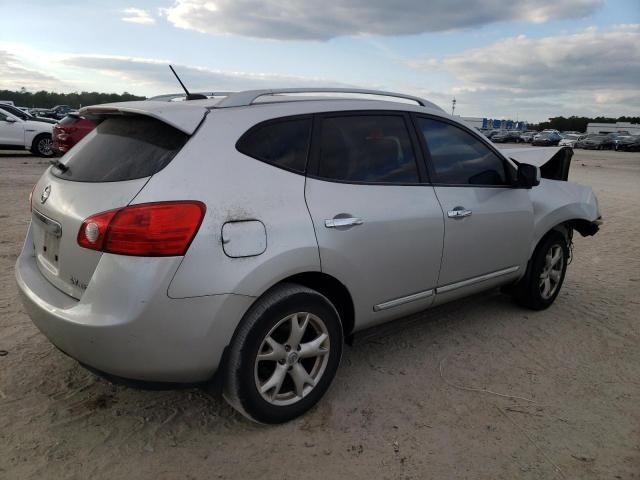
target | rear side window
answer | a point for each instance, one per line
(123, 148)
(459, 158)
(368, 149)
(283, 143)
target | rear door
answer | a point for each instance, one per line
(378, 224)
(488, 222)
(106, 171)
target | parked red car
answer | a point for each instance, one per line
(70, 130)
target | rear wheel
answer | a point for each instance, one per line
(43, 146)
(284, 355)
(547, 268)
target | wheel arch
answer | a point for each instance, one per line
(37, 137)
(330, 287)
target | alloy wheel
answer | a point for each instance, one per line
(45, 146)
(552, 272)
(292, 359)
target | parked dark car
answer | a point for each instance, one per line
(629, 144)
(596, 141)
(70, 130)
(58, 112)
(506, 137)
(490, 134)
(549, 139)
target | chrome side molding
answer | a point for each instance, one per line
(402, 300)
(481, 278)
(446, 288)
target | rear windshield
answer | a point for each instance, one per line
(68, 120)
(123, 148)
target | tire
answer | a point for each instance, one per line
(284, 384)
(43, 146)
(535, 291)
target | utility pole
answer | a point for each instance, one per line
(453, 105)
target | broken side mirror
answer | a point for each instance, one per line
(528, 176)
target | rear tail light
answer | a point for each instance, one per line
(160, 229)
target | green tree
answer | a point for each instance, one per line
(44, 99)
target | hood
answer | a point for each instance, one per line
(43, 120)
(39, 126)
(554, 162)
(185, 116)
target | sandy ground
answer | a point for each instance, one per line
(395, 409)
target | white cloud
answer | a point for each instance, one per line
(17, 73)
(152, 76)
(137, 15)
(590, 71)
(310, 20)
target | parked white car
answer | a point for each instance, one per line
(570, 140)
(254, 234)
(18, 133)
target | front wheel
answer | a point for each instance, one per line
(545, 275)
(284, 355)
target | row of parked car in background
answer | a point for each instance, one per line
(45, 132)
(622, 141)
(51, 132)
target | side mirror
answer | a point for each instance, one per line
(10, 120)
(528, 176)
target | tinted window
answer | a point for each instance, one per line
(68, 120)
(459, 158)
(16, 112)
(283, 143)
(123, 148)
(368, 148)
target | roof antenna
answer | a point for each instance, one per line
(190, 96)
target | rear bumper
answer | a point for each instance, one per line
(126, 325)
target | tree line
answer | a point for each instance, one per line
(44, 99)
(579, 124)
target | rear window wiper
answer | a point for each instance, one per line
(58, 164)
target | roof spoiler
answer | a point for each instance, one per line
(185, 118)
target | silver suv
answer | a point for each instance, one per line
(252, 233)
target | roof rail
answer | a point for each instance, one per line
(246, 98)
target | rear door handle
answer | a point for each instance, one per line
(342, 222)
(459, 212)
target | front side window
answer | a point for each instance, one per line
(16, 112)
(368, 149)
(459, 158)
(284, 143)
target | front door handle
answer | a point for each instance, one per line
(459, 212)
(342, 222)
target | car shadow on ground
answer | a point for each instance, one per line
(86, 394)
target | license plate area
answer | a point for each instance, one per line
(47, 236)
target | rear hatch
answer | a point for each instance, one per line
(105, 171)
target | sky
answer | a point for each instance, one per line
(519, 59)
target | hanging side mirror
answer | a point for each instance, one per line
(528, 176)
